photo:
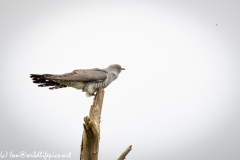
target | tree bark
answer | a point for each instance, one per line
(91, 132)
(123, 155)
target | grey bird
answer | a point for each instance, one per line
(88, 80)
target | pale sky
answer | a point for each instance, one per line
(178, 98)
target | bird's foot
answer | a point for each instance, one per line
(100, 88)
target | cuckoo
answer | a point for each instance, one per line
(88, 80)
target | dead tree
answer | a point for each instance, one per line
(91, 132)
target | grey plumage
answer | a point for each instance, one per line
(88, 80)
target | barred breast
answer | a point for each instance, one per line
(91, 87)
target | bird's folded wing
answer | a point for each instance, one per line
(81, 75)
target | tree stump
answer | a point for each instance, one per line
(91, 132)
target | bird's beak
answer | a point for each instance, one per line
(122, 68)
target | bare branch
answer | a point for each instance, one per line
(91, 132)
(123, 155)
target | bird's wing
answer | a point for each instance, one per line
(82, 75)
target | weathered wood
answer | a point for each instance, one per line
(91, 132)
(123, 155)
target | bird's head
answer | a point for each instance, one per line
(116, 67)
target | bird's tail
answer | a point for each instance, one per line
(44, 82)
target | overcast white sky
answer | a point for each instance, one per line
(177, 100)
